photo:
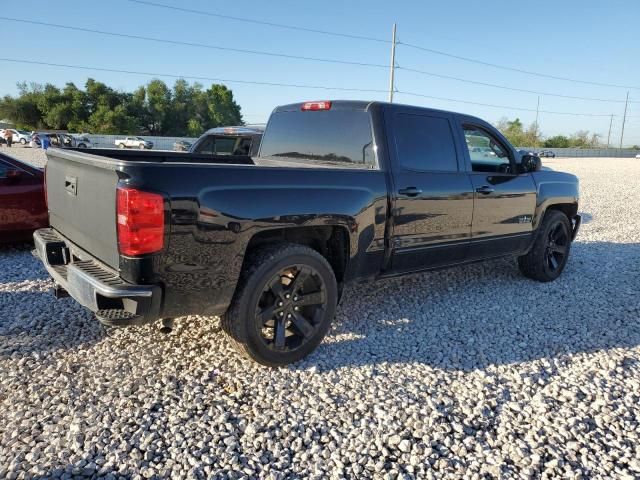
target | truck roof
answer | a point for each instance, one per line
(365, 105)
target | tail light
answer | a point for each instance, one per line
(325, 105)
(140, 221)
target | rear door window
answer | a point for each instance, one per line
(336, 138)
(424, 143)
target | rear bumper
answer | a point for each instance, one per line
(96, 287)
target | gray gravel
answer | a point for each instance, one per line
(34, 156)
(468, 373)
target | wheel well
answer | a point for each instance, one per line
(332, 242)
(569, 209)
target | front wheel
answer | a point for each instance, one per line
(23, 141)
(141, 146)
(283, 306)
(548, 256)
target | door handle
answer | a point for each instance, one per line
(485, 190)
(410, 191)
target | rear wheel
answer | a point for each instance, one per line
(23, 141)
(82, 145)
(141, 146)
(548, 256)
(121, 145)
(283, 306)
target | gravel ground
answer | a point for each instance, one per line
(474, 372)
(34, 156)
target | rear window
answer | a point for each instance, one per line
(338, 138)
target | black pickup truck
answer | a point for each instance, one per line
(339, 191)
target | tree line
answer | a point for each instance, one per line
(152, 109)
(531, 136)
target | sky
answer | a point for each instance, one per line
(584, 40)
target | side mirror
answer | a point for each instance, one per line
(530, 163)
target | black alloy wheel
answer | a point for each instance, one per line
(557, 246)
(548, 256)
(291, 308)
(283, 305)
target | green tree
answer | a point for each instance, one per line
(154, 108)
(221, 107)
(517, 135)
(558, 141)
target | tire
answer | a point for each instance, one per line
(121, 146)
(23, 141)
(82, 145)
(275, 323)
(141, 146)
(548, 256)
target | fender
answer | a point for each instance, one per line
(555, 188)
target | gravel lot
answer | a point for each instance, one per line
(474, 372)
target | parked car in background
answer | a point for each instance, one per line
(181, 146)
(243, 140)
(19, 136)
(62, 140)
(546, 154)
(340, 191)
(82, 141)
(22, 202)
(133, 142)
(638, 155)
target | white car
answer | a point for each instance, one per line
(133, 142)
(638, 155)
(19, 136)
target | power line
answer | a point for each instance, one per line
(410, 45)
(192, 77)
(293, 85)
(513, 69)
(504, 87)
(193, 44)
(506, 107)
(260, 22)
(327, 60)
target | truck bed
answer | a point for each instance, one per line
(164, 156)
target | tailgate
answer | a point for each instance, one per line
(81, 193)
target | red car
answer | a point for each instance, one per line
(23, 207)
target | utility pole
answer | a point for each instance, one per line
(392, 67)
(624, 118)
(609, 136)
(537, 111)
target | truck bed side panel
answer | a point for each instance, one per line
(216, 210)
